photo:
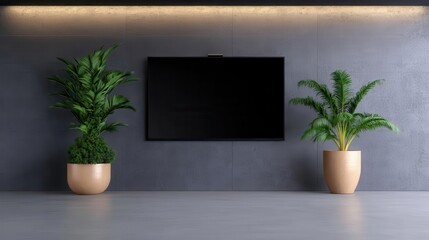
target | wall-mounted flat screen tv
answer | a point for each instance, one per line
(215, 98)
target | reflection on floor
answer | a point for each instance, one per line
(214, 215)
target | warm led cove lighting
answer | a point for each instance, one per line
(76, 10)
(20, 20)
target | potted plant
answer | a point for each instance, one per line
(337, 121)
(86, 92)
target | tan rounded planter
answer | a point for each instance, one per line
(88, 178)
(341, 170)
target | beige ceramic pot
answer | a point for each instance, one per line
(341, 170)
(88, 178)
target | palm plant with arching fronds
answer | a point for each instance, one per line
(336, 119)
(87, 93)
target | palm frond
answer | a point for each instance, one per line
(372, 122)
(321, 122)
(318, 107)
(321, 91)
(342, 84)
(321, 133)
(341, 124)
(363, 91)
(342, 117)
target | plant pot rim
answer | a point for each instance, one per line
(89, 163)
(341, 151)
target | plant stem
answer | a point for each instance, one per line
(349, 142)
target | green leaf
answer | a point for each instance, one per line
(318, 107)
(82, 127)
(372, 122)
(58, 80)
(336, 117)
(321, 91)
(90, 148)
(322, 133)
(354, 102)
(321, 122)
(343, 117)
(342, 84)
(111, 127)
(117, 102)
(86, 89)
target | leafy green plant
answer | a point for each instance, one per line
(87, 93)
(336, 117)
(90, 148)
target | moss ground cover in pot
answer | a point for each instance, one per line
(338, 121)
(86, 92)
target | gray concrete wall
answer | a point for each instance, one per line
(370, 42)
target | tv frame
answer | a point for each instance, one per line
(146, 85)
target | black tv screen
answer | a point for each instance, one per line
(215, 98)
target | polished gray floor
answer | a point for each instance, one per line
(214, 215)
